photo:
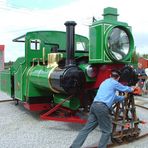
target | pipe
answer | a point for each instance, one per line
(70, 33)
(43, 55)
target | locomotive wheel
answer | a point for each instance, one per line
(129, 138)
(116, 140)
(136, 135)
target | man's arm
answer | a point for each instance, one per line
(123, 88)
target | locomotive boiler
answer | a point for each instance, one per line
(61, 71)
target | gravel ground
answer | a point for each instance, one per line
(20, 128)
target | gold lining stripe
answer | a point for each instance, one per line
(54, 90)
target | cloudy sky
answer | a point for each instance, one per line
(20, 16)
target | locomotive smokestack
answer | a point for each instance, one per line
(70, 32)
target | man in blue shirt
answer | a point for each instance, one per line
(100, 110)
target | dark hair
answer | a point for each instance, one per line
(115, 73)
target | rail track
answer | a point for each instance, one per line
(8, 100)
(141, 106)
(117, 144)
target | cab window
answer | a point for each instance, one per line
(35, 44)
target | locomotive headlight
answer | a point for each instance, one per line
(91, 71)
(119, 43)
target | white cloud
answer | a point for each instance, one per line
(16, 22)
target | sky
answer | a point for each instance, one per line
(20, 16)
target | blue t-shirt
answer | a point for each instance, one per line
(107, 92)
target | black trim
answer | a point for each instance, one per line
(38, 100)
(76, 51)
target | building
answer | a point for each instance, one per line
(1, 57)
(144, 62)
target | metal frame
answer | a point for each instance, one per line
(125, 120)
(59, 113)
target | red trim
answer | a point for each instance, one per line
(62, 114)
(74, 119)
(59, 113)
(36, 107)
(104, 72)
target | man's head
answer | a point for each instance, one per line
(115, 74)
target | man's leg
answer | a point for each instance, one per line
(90, 125)
(105, 124)
(106, 128)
